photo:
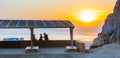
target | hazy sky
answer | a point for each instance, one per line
(57, 9)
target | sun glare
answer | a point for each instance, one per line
(87, 15)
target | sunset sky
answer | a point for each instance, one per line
(60, 10)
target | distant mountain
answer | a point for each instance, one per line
(111, 28)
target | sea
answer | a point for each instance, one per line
(53, 34)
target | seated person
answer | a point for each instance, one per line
(34, 39)
(46, 37)
(40, 39)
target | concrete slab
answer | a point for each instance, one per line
(44, 53)
(71, 49)
(33, 49)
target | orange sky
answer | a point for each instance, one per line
(58, 9)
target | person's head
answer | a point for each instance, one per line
(44, 33)
(33, 34)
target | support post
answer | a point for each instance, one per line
(31, 32)
(71, 48)
(32, 48)
(71, 36)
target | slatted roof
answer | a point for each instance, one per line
(35, 24)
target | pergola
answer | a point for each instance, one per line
(31, 24)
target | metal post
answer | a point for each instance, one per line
(31, 31)
(71, 36)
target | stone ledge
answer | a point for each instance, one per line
(81, 46)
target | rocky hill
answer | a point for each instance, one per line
(111, 28)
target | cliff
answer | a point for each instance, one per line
(111, 28)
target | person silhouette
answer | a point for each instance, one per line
(34, 39)
(46, 37)
(40, 39)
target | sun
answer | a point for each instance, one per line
(87, 15)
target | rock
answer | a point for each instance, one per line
(93, 46)
(98, 41)
(111, 28)
(117, 7)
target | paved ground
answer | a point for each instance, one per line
(43, 53)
